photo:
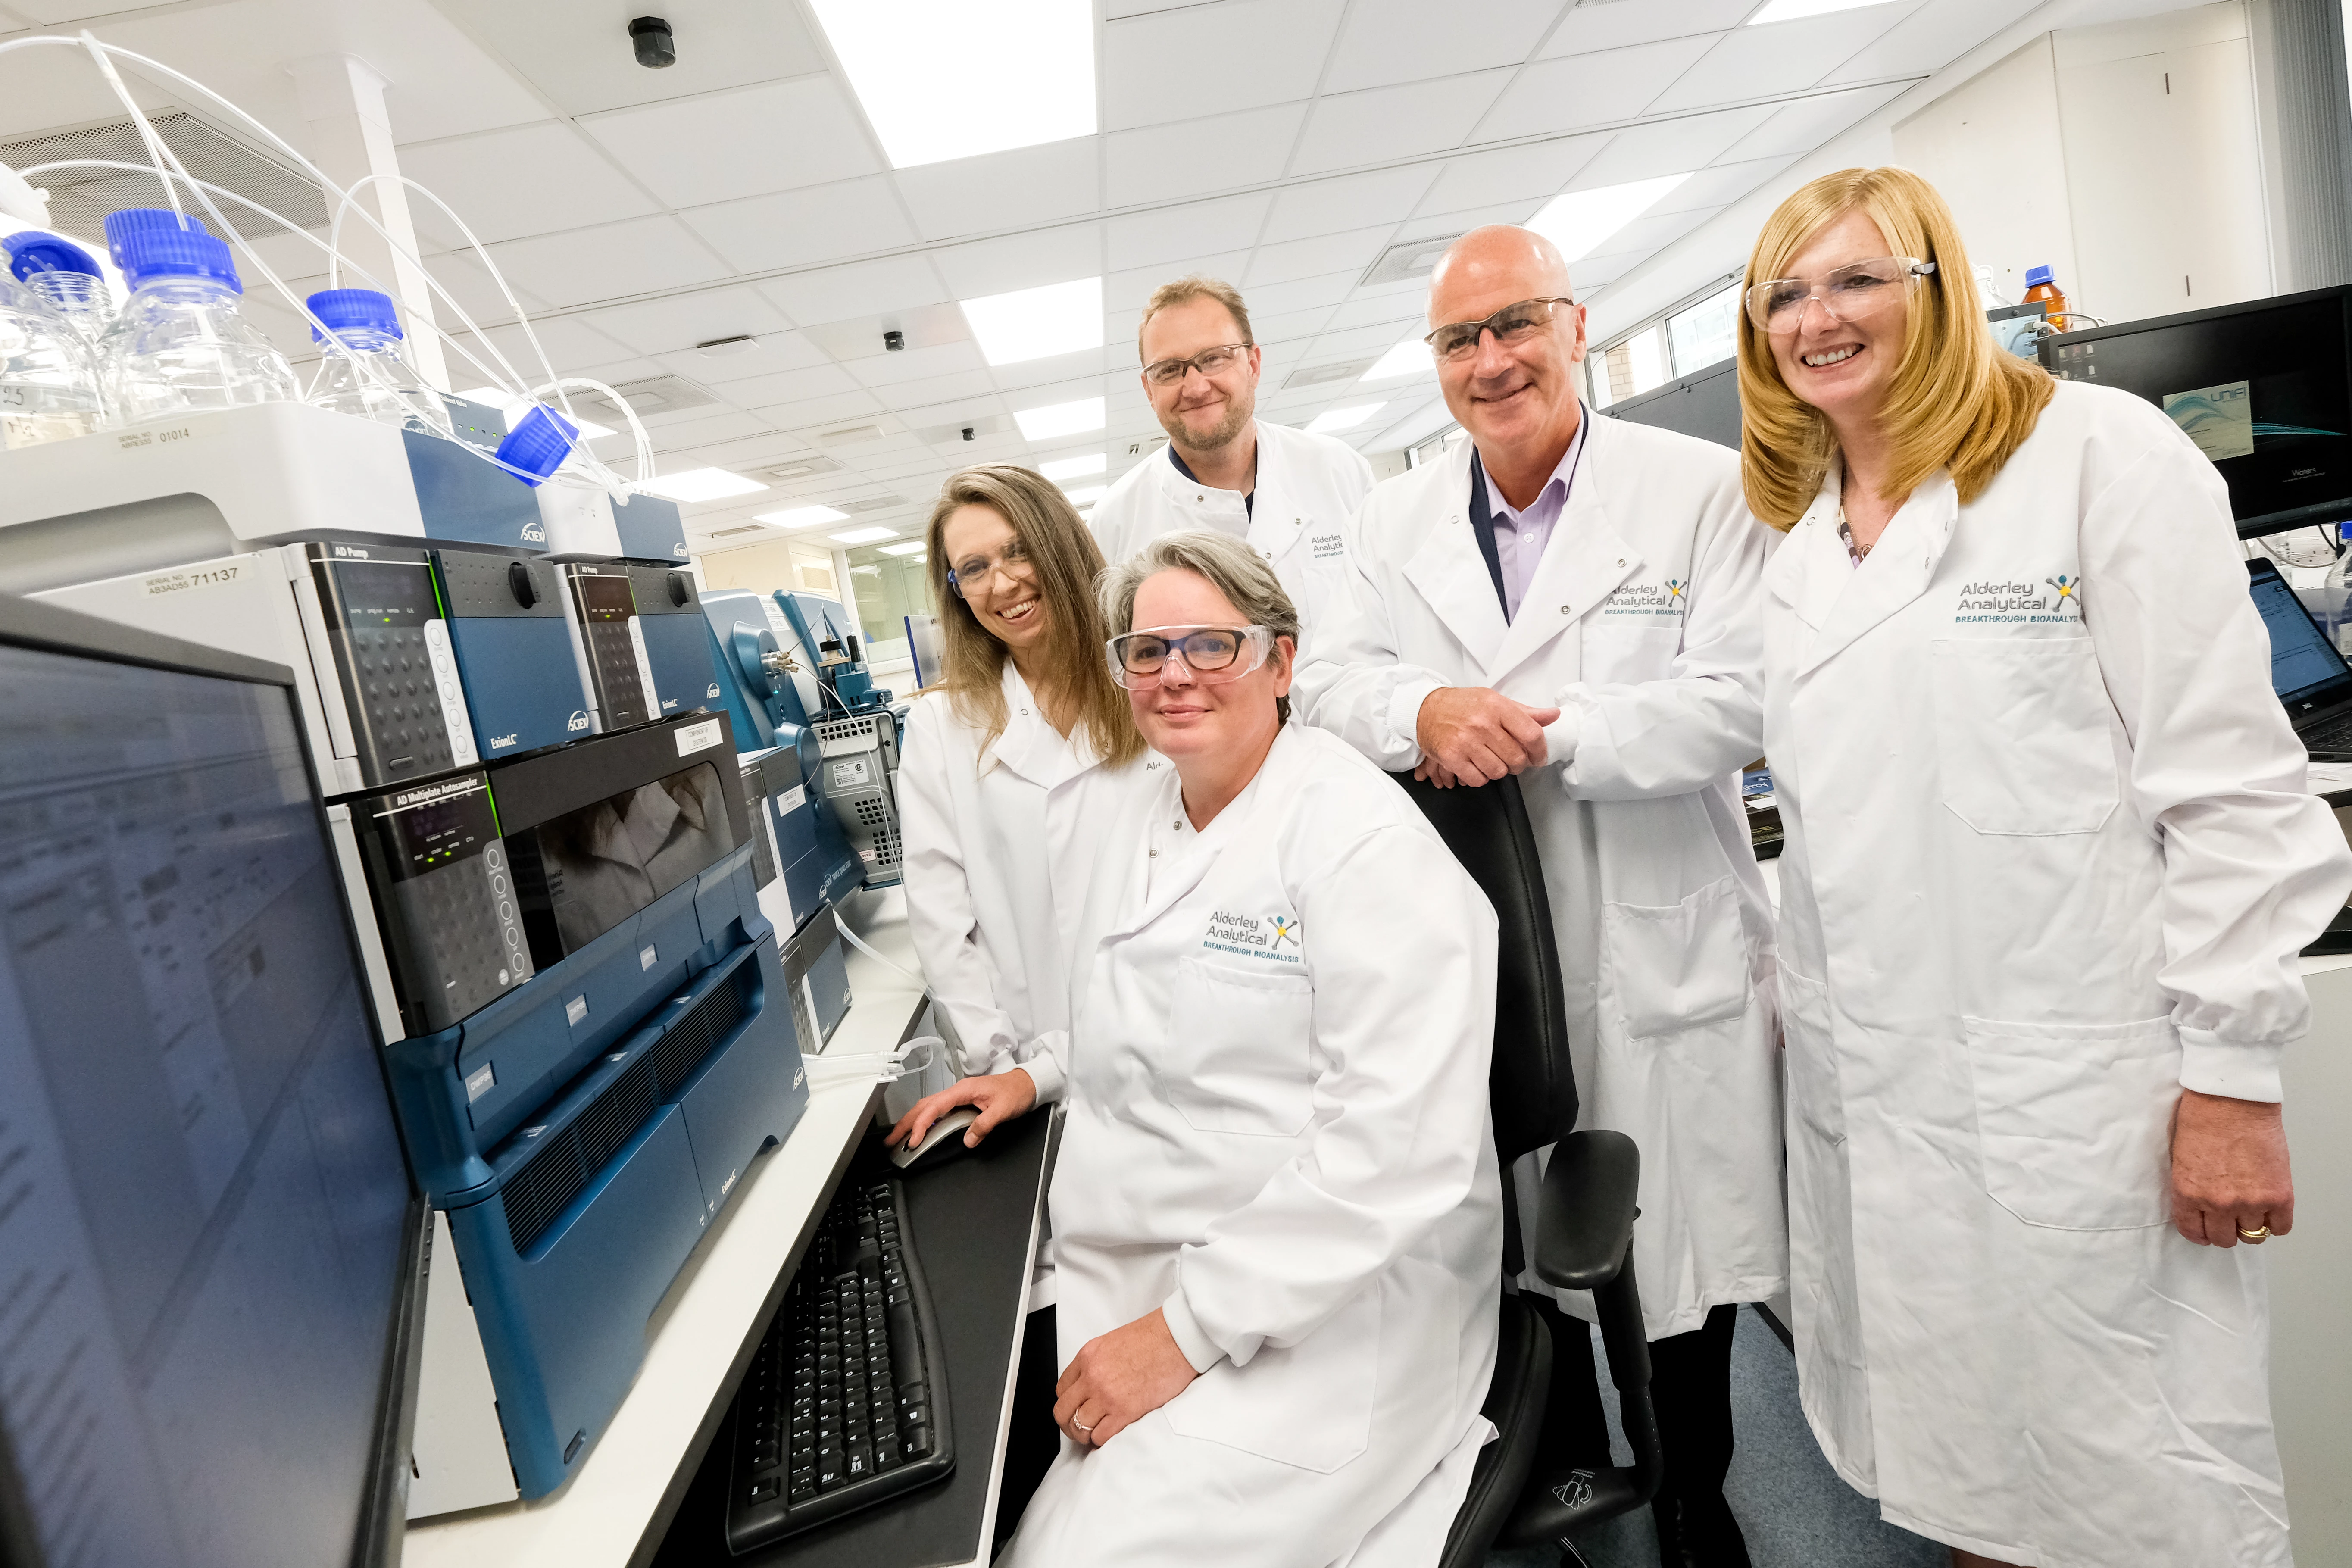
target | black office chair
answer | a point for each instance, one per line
(1583, 1229)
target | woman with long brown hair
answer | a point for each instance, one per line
(2050, 859)
(1026, 713)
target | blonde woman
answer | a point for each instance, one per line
(1027, 710)
(2050, 858)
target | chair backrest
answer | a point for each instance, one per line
(1531, 1084)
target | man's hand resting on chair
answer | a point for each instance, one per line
(1470, 736)
(1118, 1378)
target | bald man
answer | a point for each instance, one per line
(1572, 601)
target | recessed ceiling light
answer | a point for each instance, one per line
(912, 547)
(1075, 468)
(1410, 357)
(514, 408)
(863, 535)
(799, 516)
(1346, 419)
(919, 68)
(1086, 497)
(1581, 222)
(1059, 419)
(1036, 324)
(700, 484)
(1793, 10)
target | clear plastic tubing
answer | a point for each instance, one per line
(49, 382)
(361, 371)
(181, 344)
(65, 274)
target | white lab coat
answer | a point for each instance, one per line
(1639, 624)
(2049, 858)
(994, 877)
(1307, 488)
(1276, 1132)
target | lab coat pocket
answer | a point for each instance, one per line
(1308, 1405)
(2075, 1121)
(1236, 1056)
(2021, 728)
(1809, 1056)
(1671, 967)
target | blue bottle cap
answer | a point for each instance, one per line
(348, 309)
(33, 251)
(538, 443)
(2035, 276)
(150, 243)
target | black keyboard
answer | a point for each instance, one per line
(846, 1402)
(2333, 735)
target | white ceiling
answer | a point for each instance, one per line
(1282, 144)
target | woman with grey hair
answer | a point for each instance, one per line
(1277, 1209)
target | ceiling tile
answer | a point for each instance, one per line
(916, 363)
(1295, 328)
(1196, 156)
(967, 393)
(1596, 270)
(1802, 126)
(1403, 314)
(1327, 253)
(1116, 357)
(1004, 190)
(774, 353)
(1382, 124)
(580, 56)
(1445, 225)
(659, 326)
(1589, 29)
(1027, 260)
(1211, 60)
(727, 426)
(822, 413)
(1589, 89)
(1511, 174)
(569, 341)
(640, 257)
(1389, 41)
(861, 289)
(717, 146)
(1354, 201)
(1722, 182)
(1124, 293)
(793, 228)
(1655, 231)
(787, 386)
(1931, 37)
(1179, 233)
(1785, 56)
(526, 179)
(1300, 293)
(1668, 147)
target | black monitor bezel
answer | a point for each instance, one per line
(383, 1511)
(2302, 516)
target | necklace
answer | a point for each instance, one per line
(1846, 533)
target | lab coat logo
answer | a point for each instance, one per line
(1330, 546)
(1647, 600)
(1248, 936)
(2001, 600)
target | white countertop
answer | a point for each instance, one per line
(602, 1514)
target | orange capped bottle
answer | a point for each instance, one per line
(2040, 290)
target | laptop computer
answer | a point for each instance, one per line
(2313, 681)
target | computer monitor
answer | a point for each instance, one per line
(2264, 388)
(1705, 403)
(210, 1247)
(2307, 671)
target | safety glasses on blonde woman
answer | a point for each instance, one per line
(1854, 292)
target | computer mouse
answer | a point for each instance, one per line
(943, 1142)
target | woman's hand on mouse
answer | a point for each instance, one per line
(999, 1097)
(1118, 1378)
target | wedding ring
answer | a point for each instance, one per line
(1084, 1427)
(2255, 1237)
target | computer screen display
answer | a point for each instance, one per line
(205, 1213)
(2262, 389)
(2302, 661)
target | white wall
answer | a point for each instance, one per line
(2127, 157)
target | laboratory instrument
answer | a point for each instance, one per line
(609, 646)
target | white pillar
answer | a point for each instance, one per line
(350, 138)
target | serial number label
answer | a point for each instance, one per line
(181, 582)
(131, 439)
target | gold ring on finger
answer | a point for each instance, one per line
(2255, 1237)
